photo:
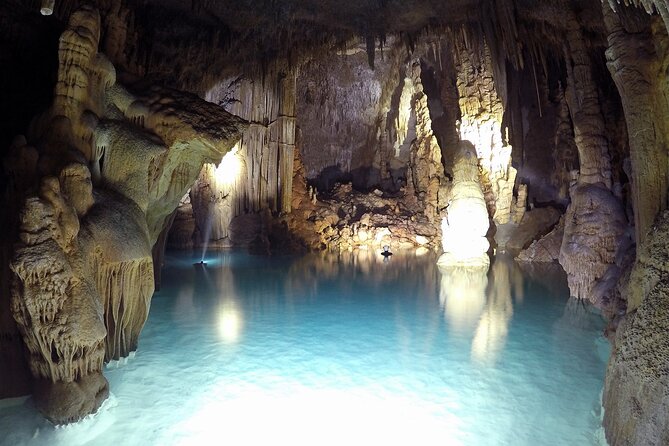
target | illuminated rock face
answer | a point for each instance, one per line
(482, 112)
(258, 175)
(216, 198)
(117, 165)
(465, 227)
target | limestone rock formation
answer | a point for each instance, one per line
(84, 269)
(354, 220)
(267, 147)
(360, 120)
(426, 170)
(56, 303)
(646, 109)
(534, 224)
(481, 119)
(595, 225)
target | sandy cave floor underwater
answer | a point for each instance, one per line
(347, 349)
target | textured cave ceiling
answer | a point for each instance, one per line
(193, 44)
(178, 41)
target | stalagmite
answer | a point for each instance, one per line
(589, 247)
(583, 100)
(465, 227)
(57, 306)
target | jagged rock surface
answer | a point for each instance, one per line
(546, 249)
(534, 224)
(481, 120)
(83, 266)
(426, 170)
(636, 391)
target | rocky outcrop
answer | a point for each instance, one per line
(360, 120)
(116, 166)
(636, 392)
(426, 170)
(595, 221)
(534, 224)
(546, 249)
(266, 150)
(57, 305)
(352, 219)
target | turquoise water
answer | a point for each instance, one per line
(348, 349)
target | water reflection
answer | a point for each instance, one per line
(201, 283)
(493, 326)
(479, 303)
(462, 296)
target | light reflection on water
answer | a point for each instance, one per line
(349, 349)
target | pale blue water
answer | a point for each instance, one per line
(348, 350)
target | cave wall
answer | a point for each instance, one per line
(354, 119)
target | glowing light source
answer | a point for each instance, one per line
(47, 7)
(229, 169)
(229, 323)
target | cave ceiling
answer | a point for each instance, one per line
(189, 43)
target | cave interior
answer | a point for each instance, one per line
(471, 129)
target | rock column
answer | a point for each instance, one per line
(482, 110)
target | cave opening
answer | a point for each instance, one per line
(348, 222)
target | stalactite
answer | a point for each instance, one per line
(126, 289)
(565, 154)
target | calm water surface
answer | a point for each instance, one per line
(348, 349)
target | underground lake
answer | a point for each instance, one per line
(348, 348)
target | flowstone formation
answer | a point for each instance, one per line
(595, 225)
(595, 221)
(114, 165)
